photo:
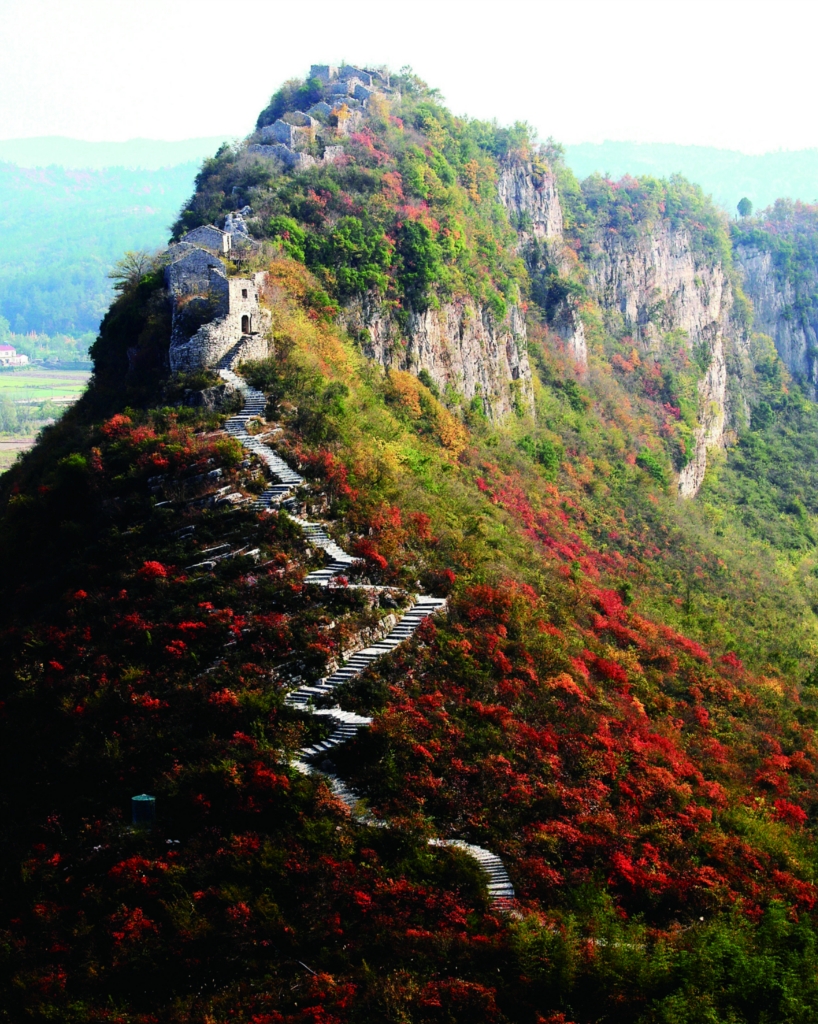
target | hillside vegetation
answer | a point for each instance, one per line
(620, 701)
(727, 175)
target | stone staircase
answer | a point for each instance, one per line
(345, 723)
(361, 660)
(499, 885)
(340, 562)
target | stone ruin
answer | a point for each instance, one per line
(347, 93)
(214, 315)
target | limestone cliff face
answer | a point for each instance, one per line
(651, 284)
(530, 197)
(657, 283)
(773, 299)
(460, 345)
(531, 200)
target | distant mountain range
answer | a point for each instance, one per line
(144, 154)
(726, 174)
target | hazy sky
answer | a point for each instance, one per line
(712, 72)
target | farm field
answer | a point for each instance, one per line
(35, 384)
(29, 398)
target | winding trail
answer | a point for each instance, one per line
(345, 724)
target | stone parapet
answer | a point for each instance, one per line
(284, 154)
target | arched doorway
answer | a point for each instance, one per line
(245, 324)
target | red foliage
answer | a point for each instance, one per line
(789, 812)
(364, 548)
(117, 426)
(152, 571)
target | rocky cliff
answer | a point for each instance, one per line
(647, 284)
(461, 345)
(658, 283)
(774, 297)
(528, 191)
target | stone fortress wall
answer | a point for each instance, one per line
(348, 91)
(213, 314)
(201, 290)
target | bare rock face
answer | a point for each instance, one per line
(460, 345)
(773, 299)
(652, 284)
(529, 195)
(221, 398)
(658, 283)
(528, 191)
(566, 323)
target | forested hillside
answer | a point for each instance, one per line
(726, 175)
(64, 229)
(541, 399)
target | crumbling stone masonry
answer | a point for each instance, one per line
(212, 313)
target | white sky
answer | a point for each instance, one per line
(722, 73)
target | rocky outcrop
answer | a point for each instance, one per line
(221, 398)
(656, 283)
(529, 195)
(528, 191)
(460, 345)
(774, 299)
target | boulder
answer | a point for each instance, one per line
(221, 398)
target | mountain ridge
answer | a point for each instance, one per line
(619, 701)
(727, 175)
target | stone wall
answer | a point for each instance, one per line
(284, 154)
(279, 131)
(320, 110)
(190, 270)
(348, 71)
(324, 72)
(301, 120)
(209, 237)
(213, 341)
(237, 316)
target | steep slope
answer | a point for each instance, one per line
(617, 705)
(777, 255)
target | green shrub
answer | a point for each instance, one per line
(651, 464)
(544, 451)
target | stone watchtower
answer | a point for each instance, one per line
(214, 316)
